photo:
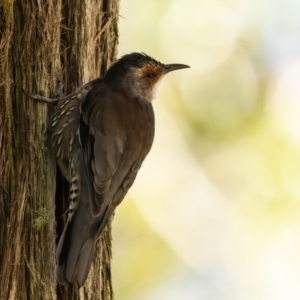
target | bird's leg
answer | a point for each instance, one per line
(58, 94)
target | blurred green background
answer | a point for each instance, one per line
(215, 211)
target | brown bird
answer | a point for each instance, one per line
(102, 133)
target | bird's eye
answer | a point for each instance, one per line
(151, 75)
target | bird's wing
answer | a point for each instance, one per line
(103, 138)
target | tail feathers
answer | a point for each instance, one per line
(74, 257)
(84, 261)
(76, 248)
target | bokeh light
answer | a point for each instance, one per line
(215, 210)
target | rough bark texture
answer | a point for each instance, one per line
(41, 41)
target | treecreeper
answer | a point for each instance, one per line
(102, 133)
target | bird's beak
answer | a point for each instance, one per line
(173, 67)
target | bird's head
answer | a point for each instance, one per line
(139, 75)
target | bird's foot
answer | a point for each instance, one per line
(58, 94)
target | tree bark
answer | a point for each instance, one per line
(40, 42)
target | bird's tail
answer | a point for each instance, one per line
(76, 248)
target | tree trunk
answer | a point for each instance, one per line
(40, 42)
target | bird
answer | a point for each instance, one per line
(102, 133)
